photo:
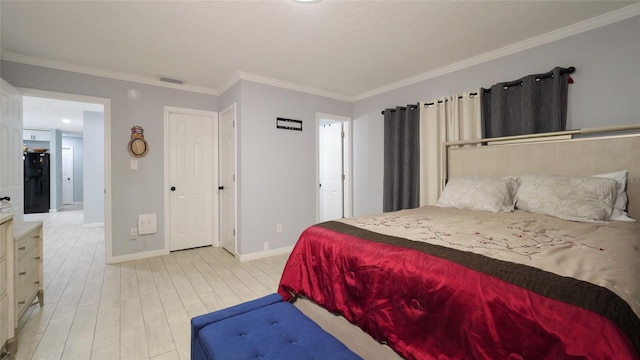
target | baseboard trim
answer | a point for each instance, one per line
(264, 254)
(137, 256)
(93, 225)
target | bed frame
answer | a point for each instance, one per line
(575, 152)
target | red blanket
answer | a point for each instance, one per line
(431, 302)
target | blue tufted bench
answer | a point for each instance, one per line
(265, 328)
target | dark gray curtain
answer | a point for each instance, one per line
(533, 104)
(401, 184)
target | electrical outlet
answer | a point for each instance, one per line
(133, 233)
(279, 228)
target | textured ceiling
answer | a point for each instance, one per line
(345, 48)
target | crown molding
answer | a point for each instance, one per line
(574, 29)
(30, 60)
(232, 80)
(291, 86)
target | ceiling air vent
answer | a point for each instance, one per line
(171, 79)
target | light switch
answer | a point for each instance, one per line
(147, 224)
(134, 164)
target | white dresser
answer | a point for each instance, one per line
(6, 281)
(28, 269)
(21, 272)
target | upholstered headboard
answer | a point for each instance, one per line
(561, 155)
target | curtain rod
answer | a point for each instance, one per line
(459, 97)
(569, 70)
(412, 106)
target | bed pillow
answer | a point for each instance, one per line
(486, 194)
(620, 206)
(575, 198)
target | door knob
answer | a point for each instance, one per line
(5, 198)
(173, 188)
(220, 187)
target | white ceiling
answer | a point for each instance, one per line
(340, 48)
(42, 113)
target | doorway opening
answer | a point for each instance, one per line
(333, 167)
(69, 131)
(76, 134)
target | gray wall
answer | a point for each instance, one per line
(78, 158)
(93, 164)
(277, 168)
(606, 92)
(133, 192)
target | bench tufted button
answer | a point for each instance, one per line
(415, 304)
(274, 322)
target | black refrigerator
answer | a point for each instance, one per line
(36, 182)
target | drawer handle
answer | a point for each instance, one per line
(22, 248)
(36, 258)
(36, 283)
(23, 273)
(37, 237)
(21, 302)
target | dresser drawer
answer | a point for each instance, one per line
(27, 242)
(27, 267)
(3, 276)
(26, 293)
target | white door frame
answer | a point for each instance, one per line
(347, 159)
(106, 103)
(214, 176)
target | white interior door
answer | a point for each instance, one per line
(190, 179)
(331, 171)
(11, 163)
(67, 175)
(227, 181)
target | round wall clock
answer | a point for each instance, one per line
(138, 147)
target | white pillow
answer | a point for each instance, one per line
(575, 198)
(487, 194)
(620, 206)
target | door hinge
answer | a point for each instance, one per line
(342, 134)
(233, 124)
(234, 177)
(234, 232)
(343, 177)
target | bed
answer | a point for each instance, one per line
(455, 283)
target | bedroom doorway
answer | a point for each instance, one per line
(333, 167)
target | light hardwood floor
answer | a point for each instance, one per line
(134, 310)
